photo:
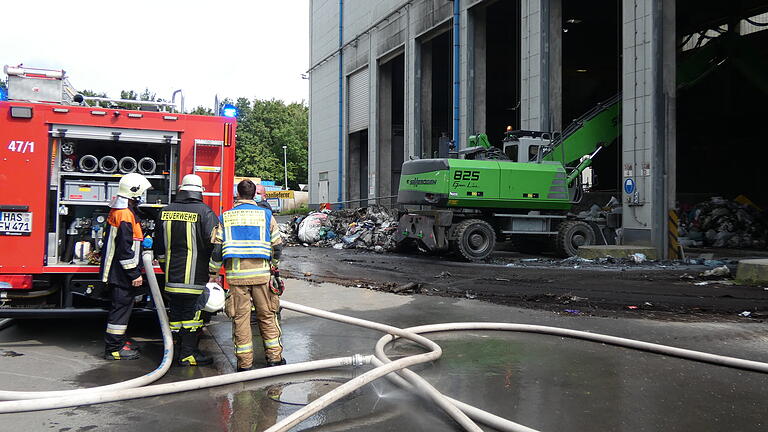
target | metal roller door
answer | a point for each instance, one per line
(358, 100)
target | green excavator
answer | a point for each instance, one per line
(523, 190)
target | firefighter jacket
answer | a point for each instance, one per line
(247, 240)
(120, 263)
(182, 242)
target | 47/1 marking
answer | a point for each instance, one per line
(22, 146)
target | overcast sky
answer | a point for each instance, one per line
(236, 48)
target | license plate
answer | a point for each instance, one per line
(15, 223)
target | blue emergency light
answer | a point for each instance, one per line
(3, 94)
(229, 110)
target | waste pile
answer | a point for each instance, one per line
(723, 223)
(370, 228)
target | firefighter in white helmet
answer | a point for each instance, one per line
(183, 245)
(121, 264)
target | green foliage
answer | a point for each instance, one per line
(201, 110)
(91, 93)
(264, 127)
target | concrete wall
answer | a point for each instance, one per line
(648, 119)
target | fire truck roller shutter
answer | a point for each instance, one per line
(78, 132)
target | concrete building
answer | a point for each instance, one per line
(391, 79)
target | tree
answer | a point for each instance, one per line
(201, 110)
(264, 127)
(91, 93)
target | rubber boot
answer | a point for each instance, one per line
(189, 355)
(176, 337)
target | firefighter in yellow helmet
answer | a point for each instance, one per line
(121, 265)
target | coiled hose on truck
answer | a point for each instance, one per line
(397, 371)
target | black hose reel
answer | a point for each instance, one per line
(108, 164)
(88, 164)
(128, 165)
(147, 166)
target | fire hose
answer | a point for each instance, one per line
(396, 370)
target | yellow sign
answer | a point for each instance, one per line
(284, 194)
(179, 216)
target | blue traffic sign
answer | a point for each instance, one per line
(629, 186)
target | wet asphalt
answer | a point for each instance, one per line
(544, 382)
(651, 290)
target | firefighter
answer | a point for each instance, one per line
(121, 264)
(183, 246)
(248, 244)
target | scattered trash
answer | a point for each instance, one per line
(715, 282)
(577, 298)
(638, 258)
(745, 314)
(632, 307)
(307, 274)
(442, 275)
(717, 272)
(11, 354)
(370, 228)
(502, 280)
(687, 277)
(470, 295)
(649, 304)
(572, 311)
(723, 223)
(410, 286)
(576, 259)
(529, 260)
(309, 228)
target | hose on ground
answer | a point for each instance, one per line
(149, 378)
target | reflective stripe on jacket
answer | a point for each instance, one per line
(183, 242)
(247, 271)
(120, 263)
(246, 232)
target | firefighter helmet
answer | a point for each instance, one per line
(133, 186)
(213, 298)
(192, 182)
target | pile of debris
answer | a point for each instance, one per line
(370, 228)
(723, 223)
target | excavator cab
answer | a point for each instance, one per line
(526, 146)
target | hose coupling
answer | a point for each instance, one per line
(358, 360)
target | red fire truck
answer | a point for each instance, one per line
(61, 157)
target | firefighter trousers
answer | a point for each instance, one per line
(185, 321)
(119, 315)
(267, 304)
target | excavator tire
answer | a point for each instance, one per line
(474, 239)
(571, 235)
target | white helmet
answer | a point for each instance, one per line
(192, 182)
(133, 185)
(214, 297)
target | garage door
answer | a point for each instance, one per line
(358, 100)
